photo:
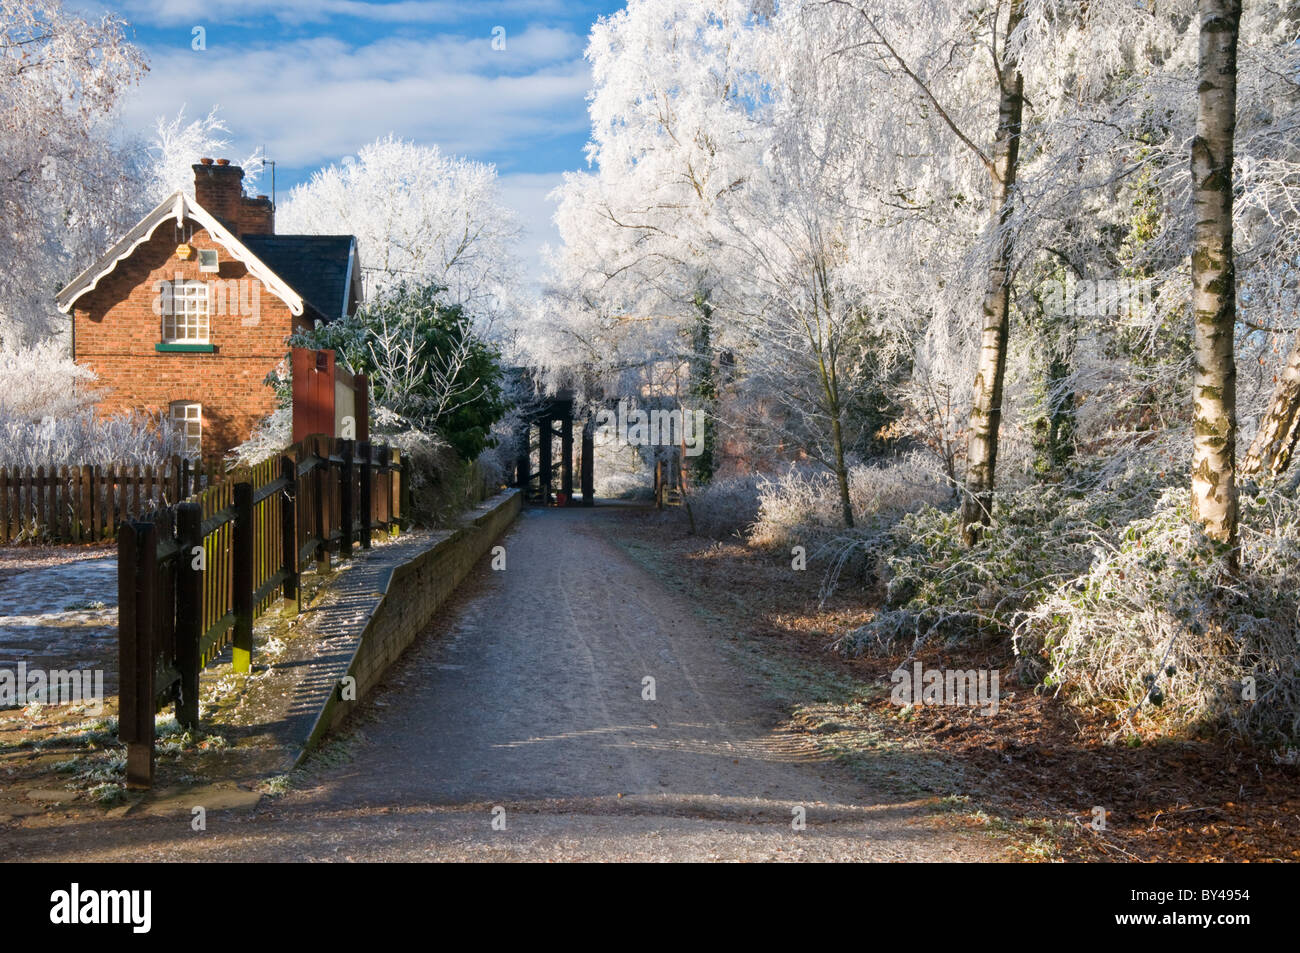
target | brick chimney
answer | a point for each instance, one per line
(256, 216)
(219, 188)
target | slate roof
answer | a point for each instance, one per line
(318, 267)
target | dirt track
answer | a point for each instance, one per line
(527, 695)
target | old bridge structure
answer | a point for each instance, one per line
(548, 431)
(557, 435)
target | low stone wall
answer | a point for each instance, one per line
(412, 596)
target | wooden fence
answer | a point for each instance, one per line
(84, 504)
(192, 578)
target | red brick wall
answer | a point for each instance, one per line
(115, 330)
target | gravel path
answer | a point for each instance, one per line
(527, 706)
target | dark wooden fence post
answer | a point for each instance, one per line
(566, 461)
(544, 468)
(137, 569)
(367, 492)
(63, 527)
(4, 504)
(588, 463)
(289, 536)
(345, 499)
(242, 578)
(408, 491)
(38, 511)
(86, 491)
(321, 485)
(387, 478)
(383, 487)
(56, 518)
(190, 566)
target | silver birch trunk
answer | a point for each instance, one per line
(1214, 291)
(986, 403)
(1274, 444)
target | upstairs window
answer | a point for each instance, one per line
(187, 419)
(185, 315)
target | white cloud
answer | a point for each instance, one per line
(311, 101)
(172, 12)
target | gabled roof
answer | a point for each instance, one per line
(178, 206)
(321, 268)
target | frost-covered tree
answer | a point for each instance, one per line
(47, 416)
(885, 136)
(1111, 193)
(420, 216)
(937, 47)
(167, 161)
(66, 185)
(809, 234)
(42, 381)
(639, 274)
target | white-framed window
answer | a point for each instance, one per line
(185, 317)
(187, 418)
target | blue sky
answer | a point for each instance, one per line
(314, 80)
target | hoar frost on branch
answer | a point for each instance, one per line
(66, 186)
(420, 216)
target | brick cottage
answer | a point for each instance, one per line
(190, 311)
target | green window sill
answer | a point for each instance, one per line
(186, 348)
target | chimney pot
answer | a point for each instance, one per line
(206, 161)
(217, 188)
